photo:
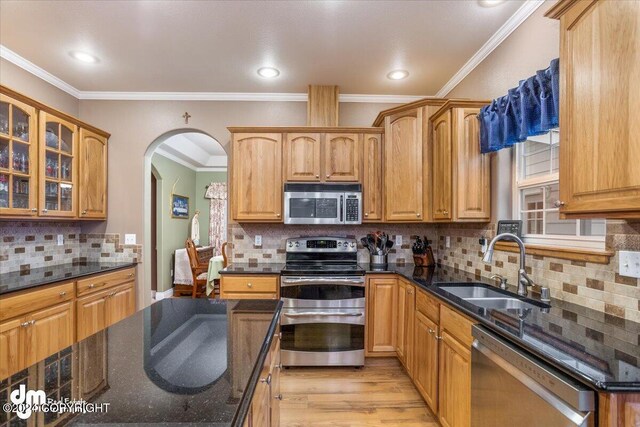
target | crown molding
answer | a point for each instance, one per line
(494, 41)
(159, 151)
(32, 68)
(378, 99)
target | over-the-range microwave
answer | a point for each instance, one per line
(306, 203)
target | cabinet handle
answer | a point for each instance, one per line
(34, 210)
(278, 397)
(45, 210)
(84, 212)
(366, 214)
(249, 285)
(317, 176)
(438, 338)
(559, 203)
(278, 215)
(91, 286)
(327, 176)
(445, 212)
(418, 214)
(410, 291)
(63, 293)
(266, 380)
(431, 331)
(28, 323)
(131, 274)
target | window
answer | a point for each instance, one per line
(536, 192)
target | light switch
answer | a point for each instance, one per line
(129, 239)
(447, 241)
(258, 240)
(629, 264)
(399, 240)
(60, 239)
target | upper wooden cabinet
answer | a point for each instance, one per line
(92, 184)
(302, 157)
(257, 177)
(372, 177)
(51, 164)
(341, 157)
(18, 158)
(599, 119)
(403, 167)
(461, 174)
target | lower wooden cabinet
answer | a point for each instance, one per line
(381, 316)
(47, 331)
(249, 287)
(265, 405)
(425, 368)
(454, 382)
(405, 324)
(102, 309)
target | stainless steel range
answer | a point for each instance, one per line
(322, 288)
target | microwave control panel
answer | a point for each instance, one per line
(352, 208)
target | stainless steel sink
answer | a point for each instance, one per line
(487, 298)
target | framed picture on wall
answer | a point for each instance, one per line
(179, 206)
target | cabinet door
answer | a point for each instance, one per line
(276, 396)
(18, 154)
(425, 369)
(341, 157)
(58, 167)
(599, 119)
(454, 408)
(403, 174)
(257, 177)
(372, 178)
(120, 304)
(441, 190)
(400, 323)
(382, 315)
(472, 168)
(92, 185)
(409, 326)
(91, 314)
(50, 330)
(11, 353)
(302, 157)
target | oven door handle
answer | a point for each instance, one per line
(321, 314)
(322, 281)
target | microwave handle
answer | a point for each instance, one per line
(341, 208)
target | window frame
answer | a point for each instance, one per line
(561, 241)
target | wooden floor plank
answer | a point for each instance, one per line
(380, 394)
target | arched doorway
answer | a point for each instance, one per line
(186, 159)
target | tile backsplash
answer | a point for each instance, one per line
(30, 245)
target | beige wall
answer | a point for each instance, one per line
(26, 83)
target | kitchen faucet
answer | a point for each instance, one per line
(523, 278)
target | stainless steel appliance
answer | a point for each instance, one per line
(322, 288)
(512, 388)
(322, 203)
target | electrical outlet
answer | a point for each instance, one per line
(257, 240)
(447, 241)
(129, 239)
(629, 264)
(60, 239)
(399, 240)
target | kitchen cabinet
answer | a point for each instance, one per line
(599, 120)
(372, 178)
(425, 372)
(52, 165)
(256, 177)
(302, 157)
(461, 174)
(58, 172)
(249, 287)
(18, 158)
(92, 183)
(381, 315)
(341, 157)
(405, 324)
(403, 167)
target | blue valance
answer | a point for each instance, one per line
(532, 108)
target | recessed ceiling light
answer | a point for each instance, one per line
(398, 75)
(268, 72)
(490, 3)
(83, 57)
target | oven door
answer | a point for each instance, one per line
(313, 208)
(322, 337)
(323, 292)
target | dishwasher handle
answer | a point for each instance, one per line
(565, 394)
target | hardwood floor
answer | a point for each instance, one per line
(380, 394)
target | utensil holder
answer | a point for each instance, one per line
(378, 259)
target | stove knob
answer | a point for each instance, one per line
(352, 244)
(290, 244)
(297, 244)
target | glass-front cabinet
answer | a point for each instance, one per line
(18, 151)
(58, 166)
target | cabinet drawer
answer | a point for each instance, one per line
(104, 281)
(428, 306)
(241, 287)
(30, 300)
(456, 325)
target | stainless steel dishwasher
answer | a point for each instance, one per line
(511, 388)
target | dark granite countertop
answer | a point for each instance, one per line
(179, 361)
(246, 268)
(591, 346)
(19, 280)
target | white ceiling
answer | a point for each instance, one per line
(194, 150)
(217, 46)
